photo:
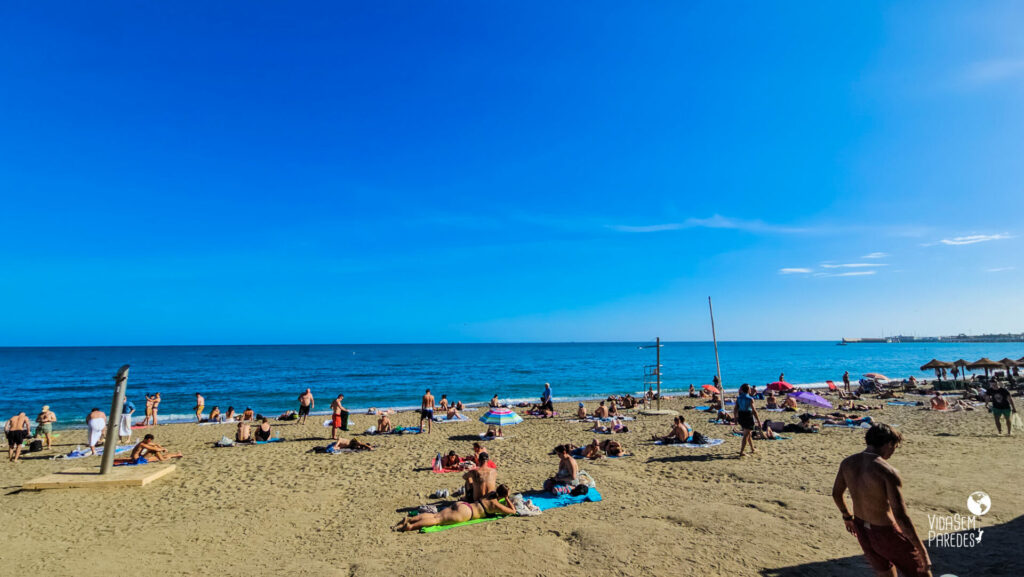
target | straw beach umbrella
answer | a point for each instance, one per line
(937, 366)
(986, 364)
(1009, 363)
(963, 368)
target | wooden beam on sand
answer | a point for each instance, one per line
(90, 477)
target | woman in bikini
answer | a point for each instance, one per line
(565, 478)
(460, 511)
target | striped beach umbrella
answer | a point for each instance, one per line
(501, 417)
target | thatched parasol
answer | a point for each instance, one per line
(963, 367)
(1009, 363)
(986, 364)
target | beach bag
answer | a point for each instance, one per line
(698, 439)
(1014, 419)
(36, 445)
(225, 442)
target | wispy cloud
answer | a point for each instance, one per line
(716, 221)
(972, 239)
(876, 255)
(1001, 269)
(851, 273)
(795, 271)
(994, 71)
(854, 265)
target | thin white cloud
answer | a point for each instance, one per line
(851, 273)
(795, 271)
(876, 255)
(973, 239)
(854, 265)
(987, 72)
(716, 221)
(1001, 269)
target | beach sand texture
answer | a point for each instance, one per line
(277, 509)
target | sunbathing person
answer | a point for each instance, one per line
(789, 404)
(680, 433)
(851, 406)
(725, 418)
(249, 415)
(452, 413)
(443, 403)
(482, 480)
(384, 424)
(804, 426)
(566, 476)
(460, 511)
(263, 432)
(451, 461)
(938, 402)
(612, 448)
(494, 402)
(494, 432)
(886, 394)
(478, 449)
(230, 415)
(147, 451)
(353, 444)
(771, 402)
(612, 409)
(581, 413)
(601, 412)
(693, 392)
(243, 434)
(459, 406)
(214, 416)
(716, 402)
(590, 451)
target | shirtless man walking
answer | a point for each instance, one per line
(305, 406)
(339, 416)
(880, 520)
(200, 404)
(16, 430)
(427, 410)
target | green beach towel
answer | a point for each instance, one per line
(437, 528)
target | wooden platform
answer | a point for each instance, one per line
(90, 477)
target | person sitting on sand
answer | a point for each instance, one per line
(354, 444)
(148, 451)
(886, 394)
(384, 424)
(230, 415)
(460, 512)
(601, 412)
(249, 415)
(443, 403)
(566, 476)
(459, 406)
(263, 432)
(478, 449)
(612, 447)
(214, 415)
(452, 414)
(581, 412)
(680, 432)
(243, 434)
(771, 401)
(716, 402)
(693, 392)
(938, 402)
(481, 480)
(789, 404)
(494, 402)
(612, 409)
(591, 450)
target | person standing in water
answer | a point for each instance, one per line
(880, 520)
(200, 405)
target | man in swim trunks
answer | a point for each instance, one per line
(460, 511)
(44, 423)
(16, 430)
(880, 520)
(601, 412)
(339, 416)
(384, 423)
(305, 406)
(200, 404)
(1002, 406)
(482, 480)
(427, 410)
(148, 451)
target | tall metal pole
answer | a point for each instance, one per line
(657, 342)
(718, 365)
(114, 423)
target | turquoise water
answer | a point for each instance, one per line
(72, 380)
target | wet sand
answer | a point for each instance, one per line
(278, 509)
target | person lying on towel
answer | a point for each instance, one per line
(460, 512)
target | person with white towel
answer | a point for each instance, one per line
(124, 432)
(97, 422)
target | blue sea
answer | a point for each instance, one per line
(72, 380)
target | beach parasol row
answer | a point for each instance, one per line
(983, 363)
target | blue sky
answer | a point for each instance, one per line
(239, 172)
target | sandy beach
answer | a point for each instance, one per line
(278, 508)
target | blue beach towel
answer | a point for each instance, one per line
(544, 500)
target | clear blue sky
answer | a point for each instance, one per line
(340, 172)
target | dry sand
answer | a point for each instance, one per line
(277, 509)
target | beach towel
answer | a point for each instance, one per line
(774, 410)
(96, 427)
(710, 443)
(79, 453)
(775, 438)
(460, 419)
(902, 403)
(395, 431)
(702, 408)
(542, 500)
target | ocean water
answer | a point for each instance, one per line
(72, 380)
